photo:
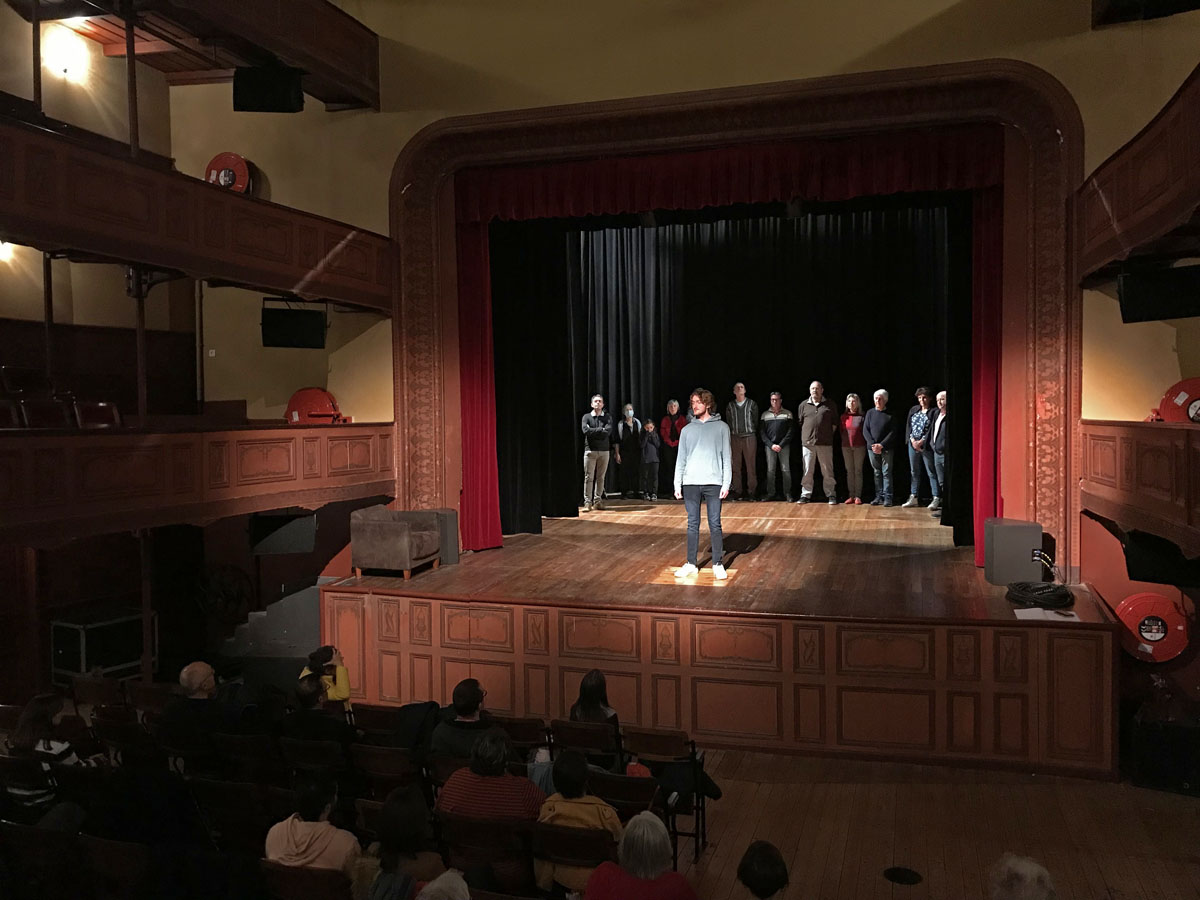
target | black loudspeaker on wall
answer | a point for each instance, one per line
(268, 89)
(1159, 294)
(293, 328)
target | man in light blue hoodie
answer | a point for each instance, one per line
(703, 471)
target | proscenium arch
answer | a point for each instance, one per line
(1038, 456)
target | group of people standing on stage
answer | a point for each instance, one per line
(867, 437)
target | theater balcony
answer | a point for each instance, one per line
(60, 485)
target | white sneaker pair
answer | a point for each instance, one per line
(688, 570)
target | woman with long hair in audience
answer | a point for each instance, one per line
(400, 856)
(34, 734)
(645, 871)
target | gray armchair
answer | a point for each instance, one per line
(401, 540)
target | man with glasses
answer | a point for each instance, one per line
(456, 736)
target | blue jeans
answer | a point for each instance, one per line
(710, 494)
(881, 465)
(917, 459)
(939, 465)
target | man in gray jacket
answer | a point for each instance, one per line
(702, 474)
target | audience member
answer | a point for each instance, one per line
(486, 790)
(310, 721)
(328, 663)
(573, 805)
(592, 706)
(1019, 878)
(448, 886)
(144, 802)
(307, 838)
(34, 733)
(457, 736)
(189, 721)
(762, 870)
(399, 856)
(644, 872)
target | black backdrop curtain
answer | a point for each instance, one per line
(859, 295)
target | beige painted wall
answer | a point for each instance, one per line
(92, 294)
(1126, 368)
(356, 364)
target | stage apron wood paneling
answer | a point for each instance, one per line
(1031, 695)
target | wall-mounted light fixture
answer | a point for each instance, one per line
(6, 252)
(65, 54)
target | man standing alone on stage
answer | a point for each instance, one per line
(938, 444)
(597, 443)
(776, 434)
(741, 415)
(817, 420)
(702, 474)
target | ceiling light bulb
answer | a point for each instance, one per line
(65, 53)
(6, 251)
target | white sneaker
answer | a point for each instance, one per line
(719, 572)
(910, 502)
(686, 571)
(587, 507)
(935, 503)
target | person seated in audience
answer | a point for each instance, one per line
(328, 663)
(592, 706)
(33, 738)
(144, 802)
(486, 790)
(448, 886)
(1019, 878)
(307, 838)
(189, 722)
(399, 857)
(644, 872)
(455, 737)
(310, 721)
(573, 805)
(762, 870)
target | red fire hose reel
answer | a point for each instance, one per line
(1181, 403)
(1156, 628)
(314, 406)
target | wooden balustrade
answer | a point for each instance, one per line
(1144, 475)
(60, 485)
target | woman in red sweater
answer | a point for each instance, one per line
(645, 871)
(854, 447)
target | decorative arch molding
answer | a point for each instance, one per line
(1044, 151)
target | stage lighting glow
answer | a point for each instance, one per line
(65, 53)
(6, 252)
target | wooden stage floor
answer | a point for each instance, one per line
(856, 562)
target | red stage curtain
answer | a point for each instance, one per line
(967, 157)
(480, 509)
(948, 159)
(987, 252)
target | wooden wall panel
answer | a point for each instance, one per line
(346, 626)
(1032, 695)
(882, 718)
(57, 486)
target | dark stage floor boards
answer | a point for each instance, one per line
(858, 562)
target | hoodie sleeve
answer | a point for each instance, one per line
(726, 459)
(681, 459)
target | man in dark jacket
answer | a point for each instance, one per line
(597, 444)
(775, 431)
(817, 420)
(880, 439)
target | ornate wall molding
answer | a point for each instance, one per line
(1032, 103)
